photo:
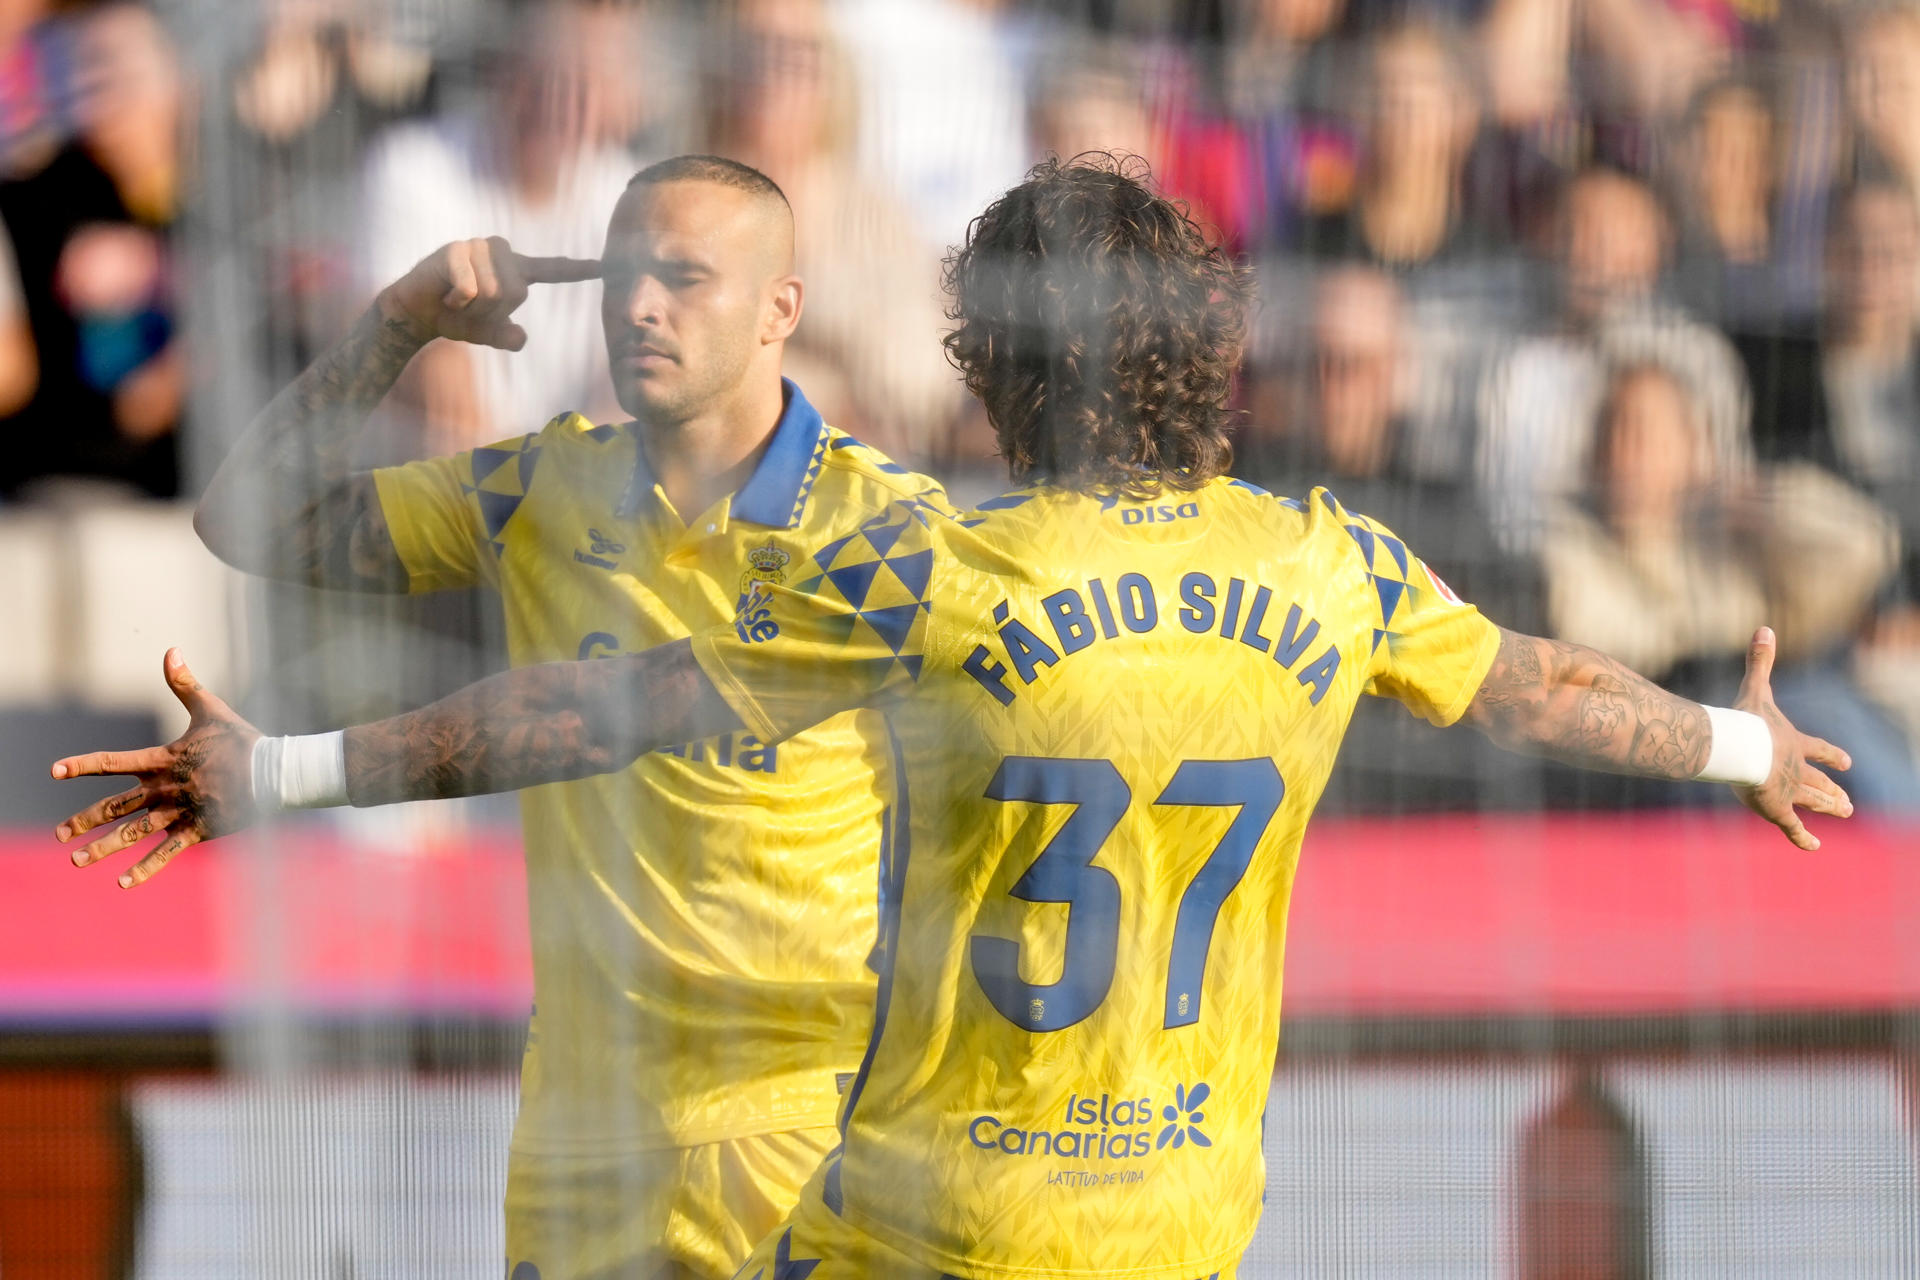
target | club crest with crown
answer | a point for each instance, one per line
(764, 564)
(753, 616)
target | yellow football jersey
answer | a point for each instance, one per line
(1114, 718)
(702, 921)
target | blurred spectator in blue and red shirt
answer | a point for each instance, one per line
(91, 233)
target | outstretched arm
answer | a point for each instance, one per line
(521, 728)
(533, 725)
(286, 503)
(1577, 705)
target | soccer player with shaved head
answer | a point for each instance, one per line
(701, 920)
(1116, 692)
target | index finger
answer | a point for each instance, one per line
(111, 762)
(557, 270)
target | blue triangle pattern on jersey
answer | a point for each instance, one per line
(496, 509)
(824, 556)
(1379, 635)
(1398, 550)
(1365, 538)
(1390, 593)
(914, 571)
(912, 663)
(892, 624)
(883, 536)
(487, 460)
(855, 581)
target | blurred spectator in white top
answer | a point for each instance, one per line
(1669, 569)
(1539, 403)
(541, 161)
(942, 109)
(868, 348)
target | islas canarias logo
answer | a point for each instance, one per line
(1102, 1128)
(1184, 1117)
(752, 612)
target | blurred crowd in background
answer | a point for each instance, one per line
(1610, 307)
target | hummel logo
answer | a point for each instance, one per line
(603, 546)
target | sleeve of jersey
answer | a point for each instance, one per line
(844, 628)
(1431, 649)
(448, 516)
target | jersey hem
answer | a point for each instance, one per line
(973, 1269)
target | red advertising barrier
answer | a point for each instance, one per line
(1649, 913)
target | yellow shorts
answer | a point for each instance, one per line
(689, 1213)
(815, 1242)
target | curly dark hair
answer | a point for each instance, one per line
(1100, 328)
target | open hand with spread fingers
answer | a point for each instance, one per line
(1794, 782)
(469, 290)
(196, 787)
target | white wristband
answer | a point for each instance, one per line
(302, 772)
(1742, 750)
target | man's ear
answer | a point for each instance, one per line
(786, 298)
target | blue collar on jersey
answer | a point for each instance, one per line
(773, 494)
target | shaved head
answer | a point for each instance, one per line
(767, 196)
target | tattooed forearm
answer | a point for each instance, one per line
(285, 502)
(533, 725)
(1577, 705)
